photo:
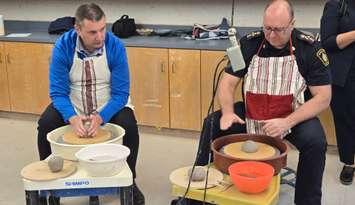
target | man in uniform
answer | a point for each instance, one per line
(286, 85)
(89, 80)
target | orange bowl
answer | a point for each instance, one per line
(251, 176)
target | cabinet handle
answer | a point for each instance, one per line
(173, 65)
(8, 58)
(162, 69)
(0, 58)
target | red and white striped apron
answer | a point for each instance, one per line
(90, 87)
(273, 88)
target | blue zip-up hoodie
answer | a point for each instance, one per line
(61, 63)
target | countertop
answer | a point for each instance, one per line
(39, 34)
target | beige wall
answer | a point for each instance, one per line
(171, 12)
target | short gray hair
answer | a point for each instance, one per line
(90, 12)
(290, 7)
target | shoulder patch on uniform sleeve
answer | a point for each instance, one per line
(322, 56)
(304, 37)
(253, 34)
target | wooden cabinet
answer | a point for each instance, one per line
(27, 70)
(150, 85)
(185, 91)
(170, 88)
(4, 88)
(209, 62)
(326, 118)
(165, 86)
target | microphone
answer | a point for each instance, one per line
(234, 53)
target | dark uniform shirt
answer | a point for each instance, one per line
(335, 21)
(311, 59)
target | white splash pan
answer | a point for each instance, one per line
(67, 151)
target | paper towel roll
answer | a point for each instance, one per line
(2, 31)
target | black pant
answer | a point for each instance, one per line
(343, 108)
(308, 137)
(52, 119)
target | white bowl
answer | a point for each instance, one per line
(67, 151)
(102, 160)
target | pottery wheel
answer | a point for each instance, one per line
(235, 150)
(180, 177)
(71, 138)
(39, 171)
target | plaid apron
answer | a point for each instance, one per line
(273, 88)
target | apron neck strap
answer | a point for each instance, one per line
(291, 50)
(262, 43)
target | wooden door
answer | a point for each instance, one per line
(185, 92)
(209, 62)
(27, 67)
(150, 85)
(4, 87)
(326, 118)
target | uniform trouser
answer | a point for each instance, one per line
(308, 137)
(52, 119)
(343, 108)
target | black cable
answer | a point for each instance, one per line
(232, 18)
(215, 85)
(210, 110)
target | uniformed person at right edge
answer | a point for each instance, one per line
(338, 38)
(286, 85)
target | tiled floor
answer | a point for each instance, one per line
(160, 153)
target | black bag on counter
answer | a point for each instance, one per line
(61, 25)
(124, 27)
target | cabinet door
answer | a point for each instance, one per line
(4, 88)
(326, 118)
(150, 85)
(27, 67)
(185, 95)
(209, 62)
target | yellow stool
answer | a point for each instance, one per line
(231, 196)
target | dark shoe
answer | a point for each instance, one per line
(346, 175)
(138, 197)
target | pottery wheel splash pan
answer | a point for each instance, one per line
(67, 151)
(72, 138)
(222, 161)
(264, 151)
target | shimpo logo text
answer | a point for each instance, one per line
(77, 183)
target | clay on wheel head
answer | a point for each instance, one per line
(250, 146)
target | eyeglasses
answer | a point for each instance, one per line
(276, 30)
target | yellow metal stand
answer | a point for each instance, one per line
(231, 196)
